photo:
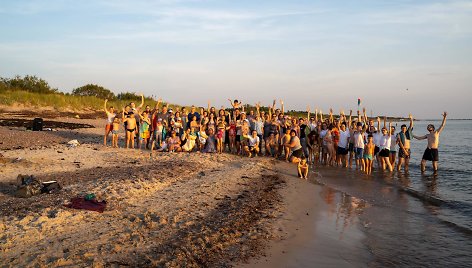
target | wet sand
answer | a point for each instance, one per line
(319, 227)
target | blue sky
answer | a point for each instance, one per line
(318, 53)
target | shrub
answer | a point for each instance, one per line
(94, 90)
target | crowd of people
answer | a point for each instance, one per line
(343, 140)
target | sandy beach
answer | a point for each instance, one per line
(199, 210)
(167, 210)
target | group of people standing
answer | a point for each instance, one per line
(308, 139)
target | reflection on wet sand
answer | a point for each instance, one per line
(346, 208)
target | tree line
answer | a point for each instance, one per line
(35, 84)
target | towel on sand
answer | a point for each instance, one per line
(82, 203)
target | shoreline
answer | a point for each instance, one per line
(206, 209)
(312, 231)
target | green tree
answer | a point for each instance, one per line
(27, 83)
(93, 90)
(128, 96)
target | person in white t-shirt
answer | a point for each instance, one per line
(343, 143)
(384, 146)
(253, 144)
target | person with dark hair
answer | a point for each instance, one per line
(403, 141)
(303, 168)
(110, 119)
(295, 147)
(431, 153)
(343, 149)
(384, 146)
(369, 154)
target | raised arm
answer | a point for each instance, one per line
(389, 129)
(321, 116)
(331, 119)
(350, 119)
(282, 106)
(156, 108)
(316, 115)
(308, 114)
(411, 121)
(231, 102)
(105, 107)
(378, 123)
(142, 101)
(273, 106)
(443, 122)
(208, 109)
(385, 122)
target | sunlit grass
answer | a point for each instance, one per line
(58, 101)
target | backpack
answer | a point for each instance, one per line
(28, 186)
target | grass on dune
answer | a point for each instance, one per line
(58, 101)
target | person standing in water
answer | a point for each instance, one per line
(403, 140)
(431, 152)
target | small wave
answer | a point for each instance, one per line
(434, 200)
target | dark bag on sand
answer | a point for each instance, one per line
(28, 186)
(38, 124)
(51, 187)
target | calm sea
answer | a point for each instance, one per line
(414, 219)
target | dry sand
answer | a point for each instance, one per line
(174, 209)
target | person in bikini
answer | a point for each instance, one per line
(431, 153)
(295, 147)
(110, 119)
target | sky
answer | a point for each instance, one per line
(399, 57)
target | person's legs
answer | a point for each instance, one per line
(393, 158)
(132, 139)
(306, 173)
(387, 163)
(107, 132)
(407, 163)
(287, 152)
(400, 163)
(423, 165)
(256, 150)
(435, 166)
(304, 146)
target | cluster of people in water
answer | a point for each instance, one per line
(344, 140)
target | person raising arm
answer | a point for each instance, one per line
(110, 118)
(431, 153)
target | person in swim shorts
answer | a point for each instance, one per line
(431, 153)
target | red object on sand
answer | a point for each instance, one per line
(81, 203)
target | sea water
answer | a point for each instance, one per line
(412, 219)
